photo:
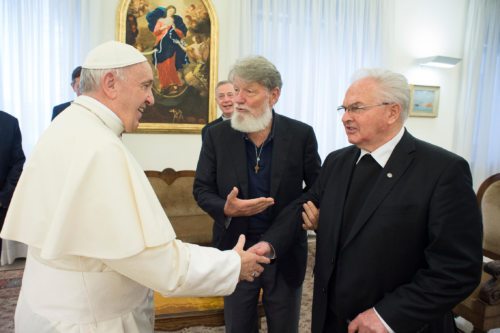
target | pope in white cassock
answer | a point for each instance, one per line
(98, 239)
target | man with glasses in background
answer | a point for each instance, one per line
(399, 233)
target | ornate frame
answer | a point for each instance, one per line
(188, 106)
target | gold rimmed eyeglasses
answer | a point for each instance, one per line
(358, 109)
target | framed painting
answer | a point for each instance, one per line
(179, 39)
(424, 101)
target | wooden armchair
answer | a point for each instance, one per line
(191, 224)
(482, 307)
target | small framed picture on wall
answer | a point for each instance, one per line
(424, 101)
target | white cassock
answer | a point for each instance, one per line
(98, 238)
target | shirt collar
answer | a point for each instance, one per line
(224, 117)
(382, 153)
(108, 117)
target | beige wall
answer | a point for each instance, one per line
(420, 29)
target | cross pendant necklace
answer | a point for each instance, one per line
(257, 158)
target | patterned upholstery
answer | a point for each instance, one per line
(175, 192)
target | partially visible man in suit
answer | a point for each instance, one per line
(11, 161)
(399, 234)
(249, 169)
(224, 95)
(75, 84)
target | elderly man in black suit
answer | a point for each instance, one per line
(224, 95)
(249, 169)
(75, 84)
(399, 233)
(11, 161)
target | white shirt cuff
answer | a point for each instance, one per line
(272, 254)
(227, 221)
(383, 322)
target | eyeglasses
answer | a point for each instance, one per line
(358, 109)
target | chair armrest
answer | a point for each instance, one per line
(490, 290)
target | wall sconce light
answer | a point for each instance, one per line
(439, 61)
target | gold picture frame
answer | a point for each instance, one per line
(179, 39)
(424, 101)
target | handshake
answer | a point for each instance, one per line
(260, 253)
(252, 259)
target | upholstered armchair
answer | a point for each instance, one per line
(175, 192)
(482, 307)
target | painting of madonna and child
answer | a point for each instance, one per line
(176, 38)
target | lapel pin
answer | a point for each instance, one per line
(389, 175)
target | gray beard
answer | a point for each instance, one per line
(251, 124)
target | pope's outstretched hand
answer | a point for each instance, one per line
(251, 263)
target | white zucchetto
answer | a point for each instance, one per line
(113, 54)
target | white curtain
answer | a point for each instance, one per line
(477, 129)
(316, 45)
(39, 48)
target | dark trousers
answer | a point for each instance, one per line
(281, 304)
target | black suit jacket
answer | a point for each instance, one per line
(59, 108)
(11, 159)
(223, 164)
(210, 124)
(414, 250)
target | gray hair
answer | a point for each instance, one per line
(223, 82)
(90, 79)
(257, 69)
(393, 87)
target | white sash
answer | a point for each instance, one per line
(79, 297)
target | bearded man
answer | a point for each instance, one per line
(249, 169)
